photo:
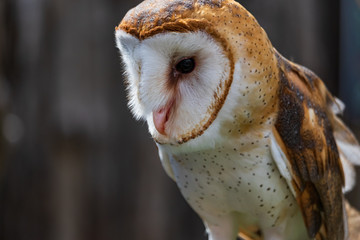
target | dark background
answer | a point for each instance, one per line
(74, 165)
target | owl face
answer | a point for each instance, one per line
(175, 82)
(193, 68)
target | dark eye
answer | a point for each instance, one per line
(186, 65)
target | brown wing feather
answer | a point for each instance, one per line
(250, 233)
(304, 126)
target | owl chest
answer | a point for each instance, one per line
(224, 180)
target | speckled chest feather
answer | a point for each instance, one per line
(237, 176)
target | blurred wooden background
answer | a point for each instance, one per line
(74, 165)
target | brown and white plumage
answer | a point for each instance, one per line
(252, 140)
(303, 136)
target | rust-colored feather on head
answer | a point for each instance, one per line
(230, 25)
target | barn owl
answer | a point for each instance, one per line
(252, 140)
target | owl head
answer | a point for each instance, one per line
(195, 66)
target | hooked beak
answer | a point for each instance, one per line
(161, 117)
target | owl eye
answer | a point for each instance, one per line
(186, 65)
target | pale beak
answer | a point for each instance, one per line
(161, 116)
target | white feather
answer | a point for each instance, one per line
(149, 64)
(281, 161)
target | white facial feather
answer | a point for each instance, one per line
(127, 44)
(149, 65)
